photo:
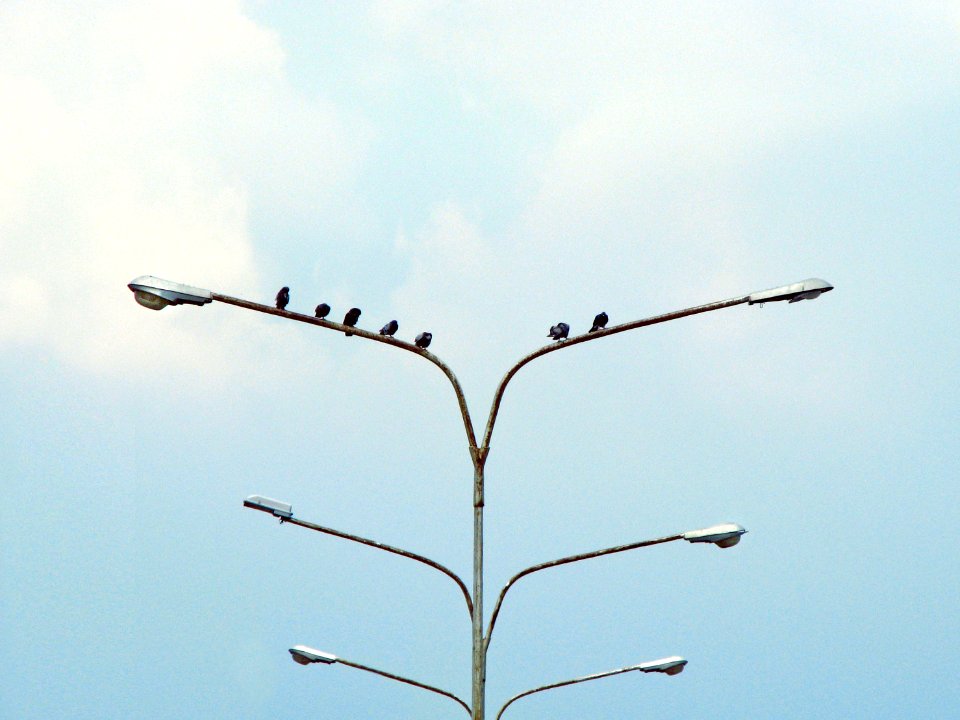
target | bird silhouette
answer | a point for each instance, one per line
(350, 319)
(283, 297)
(322, 310)
(559, 331)
(390, 328)
(423, 340)
(599, 322)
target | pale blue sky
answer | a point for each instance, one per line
(481, 170)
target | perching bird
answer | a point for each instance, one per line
(559, 331)
(283, 297)
(599, 322)
(322, 310)
(390, 328)
(350, 319)
(423, 340)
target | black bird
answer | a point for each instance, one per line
(350, 319)
(423, 340)
(322, 310)
(283, 297)
(599, 322)
(390, 328)
(559, 331)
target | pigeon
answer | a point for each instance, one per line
(322, 310)
(423, 340)
(599, 322)
(350, 319)
(283, 297)
(559, 331)
(390, 328)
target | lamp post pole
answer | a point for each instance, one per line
(156, 294)
(479, 653)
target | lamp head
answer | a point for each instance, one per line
(808, 289)
(307, 655)
(269, 505)
(669, 666)
(724, 535)
(155, 294)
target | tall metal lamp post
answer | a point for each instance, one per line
(156, 294)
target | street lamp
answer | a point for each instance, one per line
(307, 656)
(673, 665)
(809, 289)
(723, 536)
(156, 294)
(276, 508)
(668, 666)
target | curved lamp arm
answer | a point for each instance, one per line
(564, 561)
(669, 666)
(586, 337)
(388, 548)
(305, 656)
(408, 681)
(360, 332)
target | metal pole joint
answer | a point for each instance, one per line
(479, 455)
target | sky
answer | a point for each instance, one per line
(481, 171)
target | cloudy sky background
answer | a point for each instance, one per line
(483, 171)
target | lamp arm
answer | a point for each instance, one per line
(366, 334)
(586, 337)
(387, 548)
(408, 681)
(564, 683)
(565, 561)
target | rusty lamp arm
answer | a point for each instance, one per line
(306, 656)
(564, 561)
(586, 337)
(668, 666)
(284, 511)
(808, 289)
(360, 332)
(390, 549)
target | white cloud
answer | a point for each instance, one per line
(649, 112)
(132, 135)
(731, 59)
(450, 259)
(635, 202)
(24, 311)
